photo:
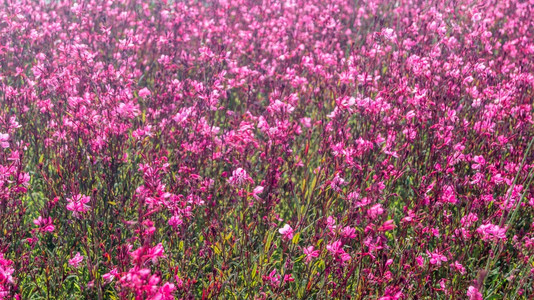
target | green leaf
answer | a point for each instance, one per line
(270, 237)
(254, 269)
(296, 238)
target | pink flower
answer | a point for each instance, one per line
(436, 258)
(334, 247)
(348, 232)
(288, 278)
(156, 252)
(410, 215)
(330, 224)
(166, 292)
(110, 276)
(458, 267)
(420, 261)
(76, 260)
(337, 183)
(310, 253)
(449, 195)
(144, 254)
(387, 226)
(375, 211)
(469, 219)
(273, 278)
(479, 162)
(6, 271)
(175, 221)
(337, 251)
(45, 224)
(144, 92)
(389, 34)
(78, 204)
(492, 232)
(344, 256)
(286, 232)
(4, 137)
(476, 17)
(257, 190)
(240, 177)
(306, 122)
(473, 293)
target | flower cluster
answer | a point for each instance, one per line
(267, 149)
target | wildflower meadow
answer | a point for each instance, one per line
(266, 149)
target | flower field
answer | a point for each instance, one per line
(266, 149)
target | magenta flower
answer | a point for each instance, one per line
(479, 162)
(334, 247)
(449, 195)
(310, 253)
(110, 276)
(273, 278)
(492, 232)
(6, 271)
(4, 137)
(474, 294)
(337, 251)
(145, 254)
(257, 190)
(436, 258)
(348, 232)
(166, 292)
(76, 260)
(387, 226)
(331, 224)
(375, 211)
(288, 278)
(78, 204)
(458, 267)
(144, 92)
(45, 224)
(286, 232)
(240, 177)
(420, 261)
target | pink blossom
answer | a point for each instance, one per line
(4, 137)
(76, 260)
(288, 278)
(144, 254)
(286, 232)
(479, 162)
(273, 278)
(348, 232)
(110, 276)
(330, 224)
(491, 232)
(387, 226)
(78, 204)
(458, 267)
(257, 190)
(469, 219)
(375, 211)
(45, 224)
(436, 258)
(336, 250)
(473, 293)
(165, 292)
(449, 195)
(144, 92)
(6, 271)
(240, 177)
(420, 261)
(310, 253)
